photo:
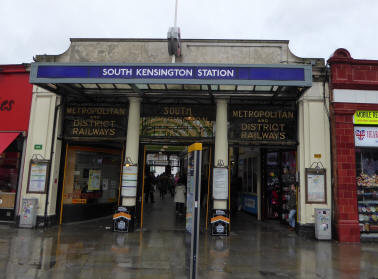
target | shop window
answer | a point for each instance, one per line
(9, 170)
(92, 176)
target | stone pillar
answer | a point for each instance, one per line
(221, 144)
(132, 141)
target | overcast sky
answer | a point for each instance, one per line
(315, 28)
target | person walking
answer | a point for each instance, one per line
(149, 182)
(180, 195)
(163, 184)
(292, 206)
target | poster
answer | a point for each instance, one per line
(315, 186)
(220, 183)
(129, 181)
(94, 180)
(38, 176)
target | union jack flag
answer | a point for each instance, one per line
(360, 134)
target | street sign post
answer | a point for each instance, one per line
(193, 202)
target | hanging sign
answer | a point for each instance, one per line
(366, 136)
(365, 117)
(129, 181)
(220, 183)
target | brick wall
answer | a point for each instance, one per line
(344, 165)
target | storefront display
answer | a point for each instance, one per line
(10, 164)
(9, 168)
(288, 177)
(92, 180)
(367, 189)
(280, 174)
(273, 186)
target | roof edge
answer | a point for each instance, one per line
(343, 56)
(182, 40)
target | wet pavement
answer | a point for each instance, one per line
(253, 250)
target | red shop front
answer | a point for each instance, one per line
(15, 100)
(354, 124)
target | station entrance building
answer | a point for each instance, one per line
(104, 104)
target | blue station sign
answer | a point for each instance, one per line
(300, 75)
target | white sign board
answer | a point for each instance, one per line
(220, 183)
(366, 136)
(316, 188)
(129, 181)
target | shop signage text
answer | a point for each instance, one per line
(95, 121)
(366, 136)
(365, 117)
(263, 124)
(6, 105)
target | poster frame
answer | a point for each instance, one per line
(323, 174)
(46, 163)
(218, 195)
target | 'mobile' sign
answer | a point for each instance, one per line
(295, 75)
(365, 117)
(366, 136)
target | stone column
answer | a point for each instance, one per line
(132, 141)
(221, 144)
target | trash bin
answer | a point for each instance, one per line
(323, 223)
(28, 214)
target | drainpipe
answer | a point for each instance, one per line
(329, 112)
(57, 107)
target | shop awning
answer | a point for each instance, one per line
(6, 139)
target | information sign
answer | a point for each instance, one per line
(316, 186)
(129, 181)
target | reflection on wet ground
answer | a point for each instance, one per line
(254, 250)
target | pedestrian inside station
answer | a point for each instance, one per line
(119, 127)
